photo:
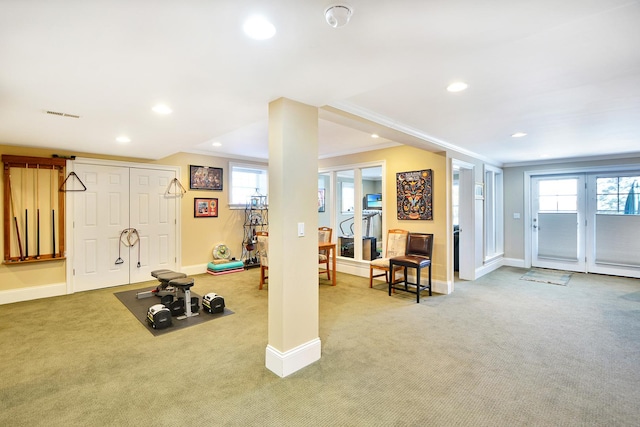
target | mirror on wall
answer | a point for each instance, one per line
(351, 201)
(372, 204)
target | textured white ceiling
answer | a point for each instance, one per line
(565, 72)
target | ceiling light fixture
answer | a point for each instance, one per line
(457, 87)
(258, 28)
(123, 139)
(518, 135)
(375, 135)
(162, 109)
(338, 15)
(217, 144)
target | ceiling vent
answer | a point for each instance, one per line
(55, 113)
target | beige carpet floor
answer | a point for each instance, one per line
(499, 351)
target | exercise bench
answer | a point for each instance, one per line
(184, 285)
(164, 276)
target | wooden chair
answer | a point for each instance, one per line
(263, 254)
(419, 254)
(324, 236)
(396, 246)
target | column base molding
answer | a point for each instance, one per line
(288, 362)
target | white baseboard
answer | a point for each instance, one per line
(489, 267)
(192, 270)
(513, 262)
(441, 287)
(283, 364)
(437, 286)
(32, 292)
(355, 268)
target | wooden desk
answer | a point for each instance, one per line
(331, 251)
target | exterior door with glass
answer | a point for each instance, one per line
(558, 222)
(613, 236)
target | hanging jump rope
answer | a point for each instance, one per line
(128, 237)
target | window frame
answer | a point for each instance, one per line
(493, 213)
(620, 196)
(264, 168)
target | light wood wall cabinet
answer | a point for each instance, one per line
(33, 209)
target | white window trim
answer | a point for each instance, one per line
(233, 165)
(494, 191)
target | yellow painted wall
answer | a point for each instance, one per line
(405, 159)
(199, 235)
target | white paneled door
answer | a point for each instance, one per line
(153, 215)
(124, 225)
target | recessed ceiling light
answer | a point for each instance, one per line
(123, 139)
(217, 144)
(258, 28)
(518, 135)
(375, 135)
(162, 109)
(457, 86)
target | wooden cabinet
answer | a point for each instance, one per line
(34, 226)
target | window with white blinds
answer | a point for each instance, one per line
(245, 181)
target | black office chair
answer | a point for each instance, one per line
(419, 251)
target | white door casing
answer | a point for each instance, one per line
(118, 198)
(466, 215)
(558, 223)
(610, 236)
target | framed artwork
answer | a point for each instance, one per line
(321, 200)
(205, 208)
(479, 191)
(415, 195)
(205, 178)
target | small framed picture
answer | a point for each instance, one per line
(479, 191)
(321, 200)
(205, 208)
(205, 178)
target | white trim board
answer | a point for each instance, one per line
(32, 292)
(290, 361)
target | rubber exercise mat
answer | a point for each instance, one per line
(139, 308)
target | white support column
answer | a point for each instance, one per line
(293, 259)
